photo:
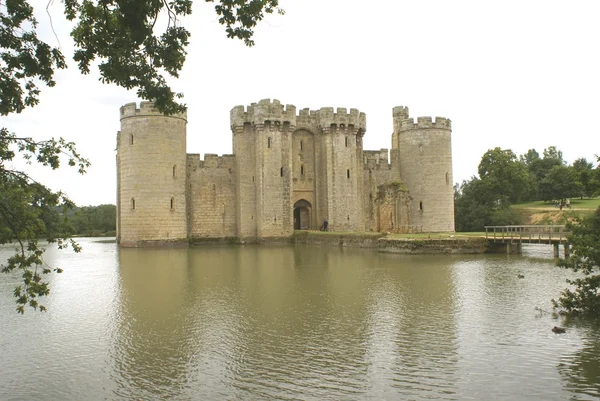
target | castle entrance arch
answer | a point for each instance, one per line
(302, 213)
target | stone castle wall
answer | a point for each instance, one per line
(425, 164)
(377, 171)
(151, 176)
(211, 196)
(392, 207)
(288, 170)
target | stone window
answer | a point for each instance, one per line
(346, 141)
(172, 203)
(132, 204)
(348, 173)
(447, 178)
(302, 169)
(131, 139)
(281, 172)
(268, 142)
(301, 145)
(252, 178)
(174, 171)
(420, 206)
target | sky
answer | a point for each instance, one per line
(511, 74)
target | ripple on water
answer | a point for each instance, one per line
(296, 323)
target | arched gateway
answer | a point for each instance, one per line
(302, 212)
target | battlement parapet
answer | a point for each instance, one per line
(274, 111)
(211, 160)
(265, 110)
(425, 122)
(341, 118)
(145, 109)
(376, 159)
(400, 112)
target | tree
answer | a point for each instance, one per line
(584, 174)
(122, 39)
(475, 206)
(539, 167)
(507, 178)
(93, 220)
(560, 183)
(585, 257)
(529, 158)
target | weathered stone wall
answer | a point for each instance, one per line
(393, 208)
(376, 171)
(267, 145)
(314, 158)
(425, 166)
(151, 162)
(433, 246)
(308, 121)
(342, 136)
(244, 147)
(211, 196)
(304, 173)
(384, 243)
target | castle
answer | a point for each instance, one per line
(290, 170)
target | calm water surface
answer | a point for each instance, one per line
(287, 323)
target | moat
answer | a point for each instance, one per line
(295, 322)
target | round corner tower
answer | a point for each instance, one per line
(425, 166)
(151, 177)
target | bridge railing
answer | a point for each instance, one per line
(531, 233)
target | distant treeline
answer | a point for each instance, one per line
(90, 221)
(506, 179)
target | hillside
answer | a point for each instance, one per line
(540, 212)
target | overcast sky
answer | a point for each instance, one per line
(513, 74)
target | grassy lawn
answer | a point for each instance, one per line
(576, 203)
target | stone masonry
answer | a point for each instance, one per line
(291, 170)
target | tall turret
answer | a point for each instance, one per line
(262, 143)
(151, 177)
(342, 149)
(425, 165)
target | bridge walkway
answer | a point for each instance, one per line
(512, 237)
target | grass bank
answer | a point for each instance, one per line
(544, 213)
(576, 203)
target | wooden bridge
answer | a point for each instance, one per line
(512, 237)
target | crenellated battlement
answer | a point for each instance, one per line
(145, 109)
(376, 159)
(325, 117)
(265, 110)
(400, 112)
(211, 160)
(341, 118)
(425, 122)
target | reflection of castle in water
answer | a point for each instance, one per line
(289, 170)
(279, 321)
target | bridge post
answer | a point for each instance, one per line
(513, 247)
(555, 246)
(567, 250)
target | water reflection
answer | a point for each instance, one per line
(151, 348)
(581, 369)
(282, 322)
(296, 323)
(413, 348)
